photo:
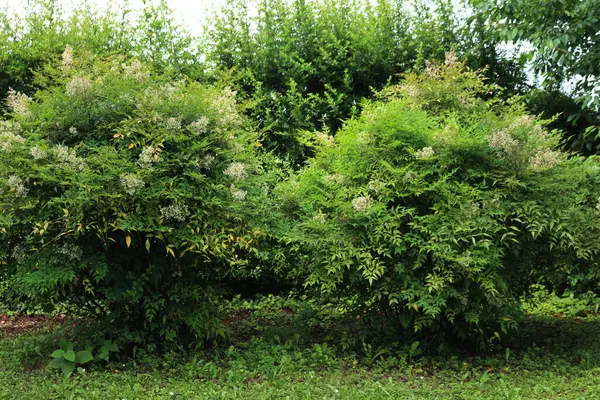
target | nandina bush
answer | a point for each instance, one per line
(438, 209)
(128, 195)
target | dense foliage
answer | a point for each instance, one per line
(440, 209)
(564, 45)
(127, 194)
(44, 29)
(304, 144)
(306, 65)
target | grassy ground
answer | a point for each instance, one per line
(278, 353)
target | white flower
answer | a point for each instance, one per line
(78, 86)
(72, 130)
(16, 184)
(199, 126)
(451, 59)
(598, 205)
(9, 135)
(504, 141)
(148, 156)
(70, 251)
(19, 103)
(225, 104)
(424, 153)
(238, 194)
(68, 158)
(362, 203)
(172, 394)
(37, 153)
(524, 120)
(131, 183)
(545, 159)
(207, 161)
(19, 253)
(319, 217)
(172, 124)
(178, 212)
(236, 170)
(323, 137)
(135, 70)
(334, 178)
(67, 57)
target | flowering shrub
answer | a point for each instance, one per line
(116, 194)
(440, 208)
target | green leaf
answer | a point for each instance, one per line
(58, 353)
(70, 355)
(83, 357)
(55, 363)
(114, 348)
(148, 245)
(67, 367)
(63, 344)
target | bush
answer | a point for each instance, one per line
(129, 195)
(307, 65)
(441, 208)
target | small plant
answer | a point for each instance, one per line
(107, 348)
(66, 358)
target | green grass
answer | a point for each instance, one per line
(295, 355)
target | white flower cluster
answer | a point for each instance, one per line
(73, 130)
(9, 135)
(362, 203)
(319, 217)
(19, 253)
(16, 184)
(451, 59)
(545, 159)
(68, 158)
(410, 90)
(135, 70)
(207, 161)
(154, 96)
(524, 120)
(78, 86)
(19, 103)
(328, 139)
(375, 185)
(131, 183)
(598, 205)
(504, 141)
(225, 104)
(236, 170)
(199, 126)
(172, 124)
(67, 57)
(175, 211)
(148, 157)
(424, 153)
(238, 194)
(70, 251)
(334, 178)
(37, 153)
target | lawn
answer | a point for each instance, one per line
(290, 353)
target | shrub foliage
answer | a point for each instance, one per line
(127, 194)
(441, 208)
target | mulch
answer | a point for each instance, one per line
(16, 325)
